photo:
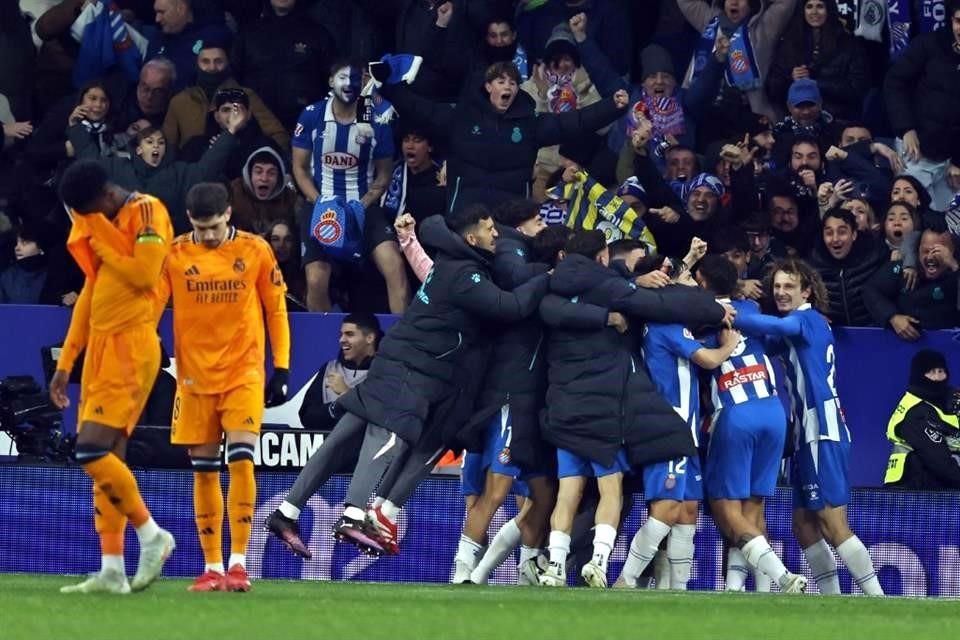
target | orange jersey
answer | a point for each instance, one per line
(220, 299)
(122, 259)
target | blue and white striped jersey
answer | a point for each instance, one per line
(342, 161)
(811, 370)
(667, 349)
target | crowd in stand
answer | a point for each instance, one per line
(766, 128)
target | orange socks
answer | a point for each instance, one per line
(109, 523)
(241, 497)
(112, 476)
(208, 508)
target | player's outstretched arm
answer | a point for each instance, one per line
(758, 324)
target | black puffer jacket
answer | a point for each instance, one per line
(490, 151)
(922, 90)
(845, 279)
(600, 397)
(419, 362)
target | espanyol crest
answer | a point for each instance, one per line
(328, 229)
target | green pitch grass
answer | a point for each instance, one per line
(32, 608)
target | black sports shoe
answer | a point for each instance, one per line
(360, 534)
(287, 532)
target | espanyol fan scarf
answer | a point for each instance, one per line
(590, 205)
(742, 71)
(666, 114)
(898, 21)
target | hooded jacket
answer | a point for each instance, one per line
(169, 181)
(419, 362)
(255, 215)
(845, 279)
(493, 151)
(600, 397)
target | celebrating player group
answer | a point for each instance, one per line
(569, 370)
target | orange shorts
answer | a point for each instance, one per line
(203, 418)
(119, 370)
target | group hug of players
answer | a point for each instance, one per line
(555, 366)
(527, 345)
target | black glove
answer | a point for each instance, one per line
(276, 392)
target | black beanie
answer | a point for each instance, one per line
(926, 360)
(654, 59)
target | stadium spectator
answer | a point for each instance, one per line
(262, 194)
(806, 120)
(498, 44)
(148, 100)
(281, 55)
(846, 260)
(759, 24)
(50, 149)
(815, 45)
(494, 133)
(250, 136)
(921, 427)
(337, 156)
(932, 304)
(418, 182)
(921, 91)
(187, 114)
(864, 213)
(17, 60)
(558, 85)
(608, 25)
(283, 240)
(180, 26)
(23, 282)
(673, 111)
(360, 334)
(151, 170)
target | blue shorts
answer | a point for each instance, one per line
(819, 475)
(746, 445)
(570, 465)
(495, 458)
(678, 480)
(497, 449)
(473, 475)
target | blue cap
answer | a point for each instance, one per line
(803, 90)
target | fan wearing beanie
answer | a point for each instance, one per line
(923, 427)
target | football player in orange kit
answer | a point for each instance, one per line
(224, 282)
(119, 239)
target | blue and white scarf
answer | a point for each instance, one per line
(898, 21)
(742, 70)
